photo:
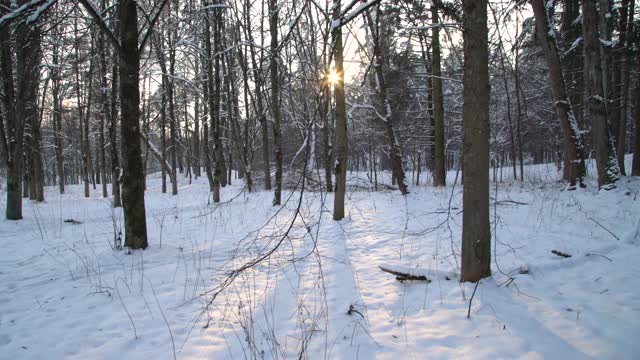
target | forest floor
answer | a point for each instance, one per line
(318, 291)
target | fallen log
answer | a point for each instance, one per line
(403, 274)
(561, 254)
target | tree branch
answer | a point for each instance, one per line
(152, 24)
(97, 17)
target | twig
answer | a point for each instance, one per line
(607, 230)
(352, 310)
(164, 318)
(470, 300)
(592, 254)
(135, 332)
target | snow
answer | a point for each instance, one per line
(64, 293)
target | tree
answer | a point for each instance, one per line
(19, 61)
(381, 88)
(439, 173)
(275, 98)
(340, 169)
(133, 174)
(606, 163)
(128, 52)
(476, 235)
(574, 150)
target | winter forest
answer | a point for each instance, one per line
(319, 179)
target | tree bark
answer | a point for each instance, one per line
(622, 77)
(57, 116)
(394, 147)
(133, 174)
(439, 173)
(606, 163)
(342, 155)
(635, 166)
(113, 138)
(19, 100)
(574, 149)
(275, 99)
(476, 235)
(326, 139)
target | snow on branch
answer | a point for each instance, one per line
(214, 6)
(366, 107)
(100, 21)
(37, 7)
(433, 26)
(152, 23)
(346, 16)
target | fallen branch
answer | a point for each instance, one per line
(352, 310)
(561, 254)
(602, 256)
(404, 275)
(602, 226)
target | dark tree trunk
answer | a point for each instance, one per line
(57, 118)
(395, 155)
(622, 77)
(259, 103)
(326, 139)
(606, 163)
(168, 80)
(439, 172)
(476, 235)
(133, 174)
(104, 100)
(19, 98)
(574, 150)
(342, 155)
(275, 99)
(635, 166)
(571, 59)
(196, 131)
(113, 138)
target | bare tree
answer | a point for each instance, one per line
(476, 233)
(574, 150)
(340, 169)
(19, 61)
(608, 171)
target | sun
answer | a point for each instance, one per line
(332, 77)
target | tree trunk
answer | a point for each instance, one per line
(342, 155)
(622, 73)
(259, 104)
(572, 63)
(574, 149)
(439, 173)
(395, 155)
(635, 166)
(20, 98)
(275, 99)
(80, 104)
(196, 130)
(214, 108)
(173, 153)
(113, 138)
(57, 117)
(133, 175)
(326, 139)
(476, 235)
(606, 163)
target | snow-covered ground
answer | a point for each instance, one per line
(64, 293)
